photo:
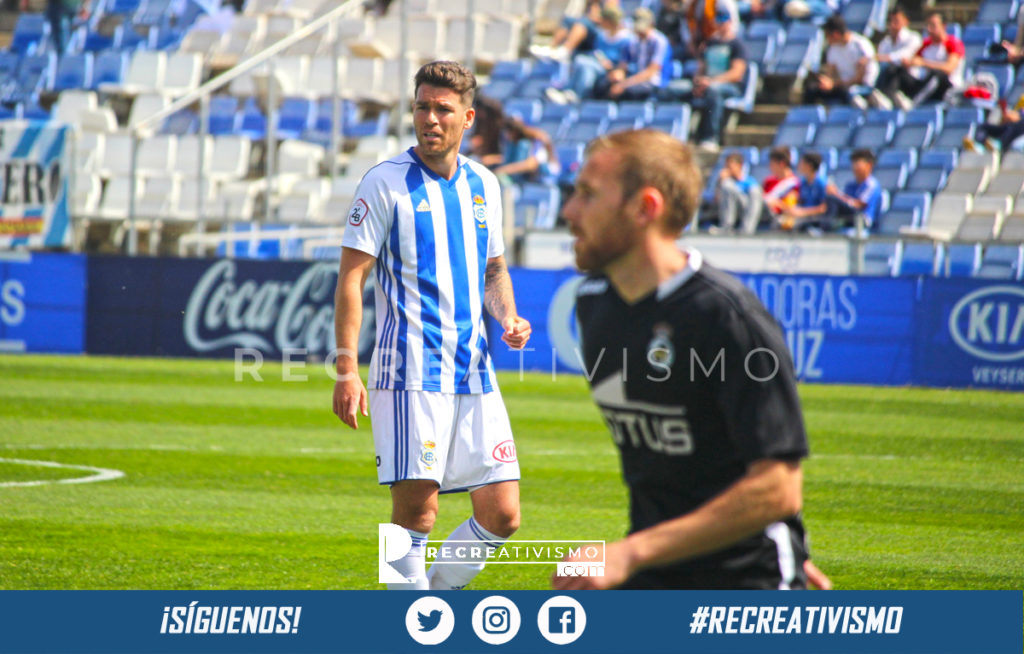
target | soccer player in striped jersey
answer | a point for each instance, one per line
(428, 224)
(699, 392)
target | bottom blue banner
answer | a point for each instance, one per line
(863, 622)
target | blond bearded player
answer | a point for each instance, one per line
(698, 393)
(428, 224)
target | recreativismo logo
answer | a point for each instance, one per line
(989, 323)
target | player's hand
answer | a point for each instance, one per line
(517, 331)
(350, 396)
(815, 577)
(619, 565)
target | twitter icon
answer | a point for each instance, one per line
(429, 620)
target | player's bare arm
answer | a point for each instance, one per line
(349, 392)
(770, 491)
(500, 302)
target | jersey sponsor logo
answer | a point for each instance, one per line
(479, 208)
(989, 323)
(505, 452)
(423, 206)
(657, 427)
(359, 213)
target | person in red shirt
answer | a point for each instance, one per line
(940, 60)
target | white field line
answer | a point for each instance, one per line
(99, 474)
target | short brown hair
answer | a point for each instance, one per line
(448, 75)
(863, 154)
(648, 157)
(781, 154)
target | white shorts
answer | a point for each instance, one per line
(460, 441)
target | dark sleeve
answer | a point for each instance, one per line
(758, 397)
(739, 51)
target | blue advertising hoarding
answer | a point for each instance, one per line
(42, 302)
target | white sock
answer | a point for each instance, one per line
(413, 565)
(456, 575)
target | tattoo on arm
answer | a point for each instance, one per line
(498, 298)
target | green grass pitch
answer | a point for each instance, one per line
(257, 485)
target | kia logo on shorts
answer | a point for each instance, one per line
(505, 452)
(989, 323)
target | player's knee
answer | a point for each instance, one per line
(502, 522)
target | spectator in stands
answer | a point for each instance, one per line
(781, 187)
(702, 17)
(642, 72)
(811, 205)
(576, 34)
(1015, 50)
(722, 65)
(857, 205)
(528, 154)
(61, 14)
(804, 9)
(897, 48)
(849, 62)
(672, 21)
(612, 42)
(485, 144)
(1000, 137)
(941, 57)
(737, 194)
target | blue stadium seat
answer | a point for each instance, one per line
(598, 109)
(962, 260)
(673, 111)
(1003, 73)
(897, 156)
(254, 123)
(920, 259)
(761, 48)
(154, 13)
(794, 135)
(554, 127)
(873, 135)
(952, 135)
(295, 116)
(544, 200)
(997, 11)
(642, 110)
(745, 102)
(890, 223)
(806, 114)
(891, 178)
(858, 15)
(914, 136)
(963, 116)
(122, 6)
(925, 115)
(624, 124)
(882, 116)
(528, 109)
(981, 33)
(224, 116)
(500, 89)
(674, 126)
(570, 157)
(550, 71)
(35, 73)
(832, 135)
(585, 130)
(793, 57)
(181, 122)
(110, 67)
(922, 202)
(9, 63)
(96, 41)
(30, 32)
(516, 70)
(531, 87)
(73, 72)
(1001, 262)
(554, 110)
(940, 158)
(840, 114)
(30, 110)
(881, 257)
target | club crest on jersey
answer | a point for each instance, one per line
(427, 456)
(660, 350)
(359, 211)
(479, 208)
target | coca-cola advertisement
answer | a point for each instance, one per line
(211, 308)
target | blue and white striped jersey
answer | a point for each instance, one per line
(432, 238)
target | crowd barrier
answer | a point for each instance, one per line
(841, 329)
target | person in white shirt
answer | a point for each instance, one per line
(849, 62)
(941, 58)
(898, 47)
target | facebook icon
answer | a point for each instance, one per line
(562, 616)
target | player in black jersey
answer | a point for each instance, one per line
(694, 380)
